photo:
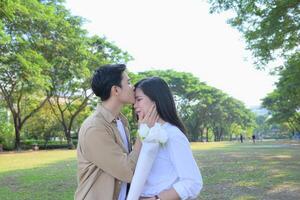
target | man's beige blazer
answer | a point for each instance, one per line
(103, 162)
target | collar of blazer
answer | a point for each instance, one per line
(108, 116)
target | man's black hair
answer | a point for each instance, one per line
(105, 77)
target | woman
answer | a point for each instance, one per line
(174, 173)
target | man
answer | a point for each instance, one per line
(253, 138)
(105, 163)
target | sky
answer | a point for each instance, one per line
(179, 35)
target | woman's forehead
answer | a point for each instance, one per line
(139, 92)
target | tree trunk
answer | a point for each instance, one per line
(18, 139)
(207, 135)
(17, 126)
(194, 137)
(69, 139)
(216, 134)
(201, 135)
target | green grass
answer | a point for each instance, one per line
(266, 170)
(38, 175)
(249, 171)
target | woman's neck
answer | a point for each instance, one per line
(161, 121)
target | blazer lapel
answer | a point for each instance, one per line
(125, 123)
(111, 119)
(118, 137)
(128, 138)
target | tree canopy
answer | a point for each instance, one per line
(272, 33)
(271, 28)
(46, 56)
(206, 111)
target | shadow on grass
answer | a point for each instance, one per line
(50, 181)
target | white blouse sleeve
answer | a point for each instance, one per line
(190, 180)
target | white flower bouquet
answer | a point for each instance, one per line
(152, 139)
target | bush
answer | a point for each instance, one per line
(6, 135)
(29, 143)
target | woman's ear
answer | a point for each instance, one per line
(154, 104)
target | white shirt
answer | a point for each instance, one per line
(121, 129)
(174, 167)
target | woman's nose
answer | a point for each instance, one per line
(134, 105)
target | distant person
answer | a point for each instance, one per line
(241, 138)
(253, 138)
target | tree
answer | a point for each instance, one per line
(284, 102)
(43, 126)
(202, 107)
(6, 128)
(271, 28)
(24, 82)
(71, 80)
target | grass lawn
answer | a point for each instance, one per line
(265, 170)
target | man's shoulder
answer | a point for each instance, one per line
(95, 120)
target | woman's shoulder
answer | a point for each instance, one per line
(174, 132)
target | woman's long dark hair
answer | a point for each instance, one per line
(158, 91)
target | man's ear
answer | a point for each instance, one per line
(114, 90)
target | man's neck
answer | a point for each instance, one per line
(113, 107)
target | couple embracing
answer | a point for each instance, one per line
(106, 158)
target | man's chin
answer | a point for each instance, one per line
(130, 102)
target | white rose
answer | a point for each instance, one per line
(143, 131)
(157, 134)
